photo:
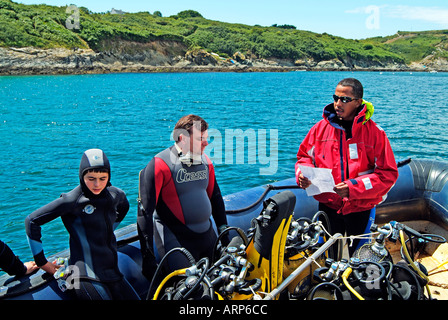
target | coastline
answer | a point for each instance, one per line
(60, 61)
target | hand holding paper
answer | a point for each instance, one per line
(321, 180)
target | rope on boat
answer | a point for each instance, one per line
(436, 284)
(269, 187)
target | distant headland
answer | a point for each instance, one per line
(42, 39)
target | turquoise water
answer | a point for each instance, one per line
(48, 121)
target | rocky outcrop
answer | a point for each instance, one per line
(350, 65)
(129, 58)
(16, 61)
(117, 56)
(172, 56)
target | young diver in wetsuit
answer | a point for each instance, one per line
(90, 213)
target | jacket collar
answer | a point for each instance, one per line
(330, 115)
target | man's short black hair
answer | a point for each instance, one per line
(358, 90)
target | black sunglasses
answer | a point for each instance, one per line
(343, 99)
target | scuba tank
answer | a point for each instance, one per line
(376, 251)
(266, 248)
(304, 238)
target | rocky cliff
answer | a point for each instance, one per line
(164, 56)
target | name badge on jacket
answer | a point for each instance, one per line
(353, 149)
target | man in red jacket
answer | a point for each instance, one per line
(359, 154)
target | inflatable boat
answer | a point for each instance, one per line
(419, 197)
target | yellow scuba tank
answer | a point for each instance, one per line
(266, 248)
(304, 281)
(304, 239)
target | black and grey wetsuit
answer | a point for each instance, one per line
(90, 220)
(177, 201)
(9, 262)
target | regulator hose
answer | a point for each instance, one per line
(171, 275)
(241, 234)
(332, 285)
(184, 251)
(204, 261)
(331, 250)
(412, 264)
(344, 277)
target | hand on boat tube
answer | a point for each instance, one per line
(30, 267)
(50, 267)
(303, 182)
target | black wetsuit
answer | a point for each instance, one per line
(10, 263)
(90, 220)
(176, 202)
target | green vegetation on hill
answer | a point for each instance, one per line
(414, 46)
(35, 26)
(44, 26)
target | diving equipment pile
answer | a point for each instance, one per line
(371, 274)
(282, 258)
(253, 265)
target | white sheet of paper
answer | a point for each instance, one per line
(321, 180)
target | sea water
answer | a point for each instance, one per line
(257, 121)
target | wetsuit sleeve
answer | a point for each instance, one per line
(38, 218)
(151, 180)
(383, 177)
(10, 263)
(122, 208)
(218, 208)
(214, 193)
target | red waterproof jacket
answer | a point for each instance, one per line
(364, 162)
